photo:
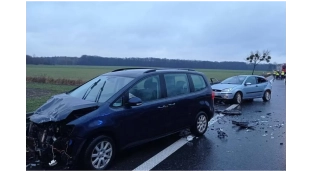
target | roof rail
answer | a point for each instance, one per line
(151, 70)
(186, 69)
(121, 69)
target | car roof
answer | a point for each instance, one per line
(248, 75)
(136, 72)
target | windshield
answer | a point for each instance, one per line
(234, 80)
(101, 88)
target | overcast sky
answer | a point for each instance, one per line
(214, 31)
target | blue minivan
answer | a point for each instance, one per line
(90, 124)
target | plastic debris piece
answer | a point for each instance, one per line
(189, 138)
(232, 112)
(184, 133)
(272, 137)
(264, 135)
(218, 111)
(221, 134)
(263, 117)
(244, 124)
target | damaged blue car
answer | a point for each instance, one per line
(86, 127)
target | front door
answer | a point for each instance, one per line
(251, 87)
(145, 121)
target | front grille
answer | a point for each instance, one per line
(216, 90)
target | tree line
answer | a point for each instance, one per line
(144, 62)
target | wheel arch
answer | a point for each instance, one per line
(241, 92)
(98, 132)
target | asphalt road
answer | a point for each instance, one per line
(262, 147)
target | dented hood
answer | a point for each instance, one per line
(59, 107)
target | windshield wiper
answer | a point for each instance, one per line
(89, 89)
(100, 92)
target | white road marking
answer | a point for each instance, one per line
(231, 107)
(159, 157)
(215, 119)
(152, 162)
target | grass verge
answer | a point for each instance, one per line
(37, 94)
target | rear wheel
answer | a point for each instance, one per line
(266, 96)
(200, 124)
(238, 98)
(99, 153)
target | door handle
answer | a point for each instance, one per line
(160, 107)
(172, 104)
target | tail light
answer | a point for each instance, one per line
(213, 95)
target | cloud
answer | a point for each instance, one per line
(217, 31)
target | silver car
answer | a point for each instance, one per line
(243, 87)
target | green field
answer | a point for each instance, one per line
(88, 72)
(38, 93)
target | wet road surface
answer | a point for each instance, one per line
(262, 147)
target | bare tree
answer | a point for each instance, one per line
(256, 58)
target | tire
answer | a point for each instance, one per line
(266, 96)
(101, 145)
(238, 98)
(200, 124)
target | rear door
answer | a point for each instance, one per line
(262, 84)
(178, 100)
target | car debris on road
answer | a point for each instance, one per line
(221, 134)
(232, 112)
(245, 124)
(229, 112)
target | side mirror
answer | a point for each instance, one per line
(247, 84)
(135, 101)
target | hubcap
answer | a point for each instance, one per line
(101, 154)
(201, 123)
(239, 98)
(267, 95)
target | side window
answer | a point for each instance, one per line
(147, 90)
(261, 80)
(118, 103)
(176, 84)
(251, 80)
(199, 82)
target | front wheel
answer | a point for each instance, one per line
(200, 124)
(99, 153)
(266, 96)
(238, 98)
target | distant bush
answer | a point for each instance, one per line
(50, 80)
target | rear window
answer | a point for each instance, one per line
(261, 80)
(199, 82)
(176, 84)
